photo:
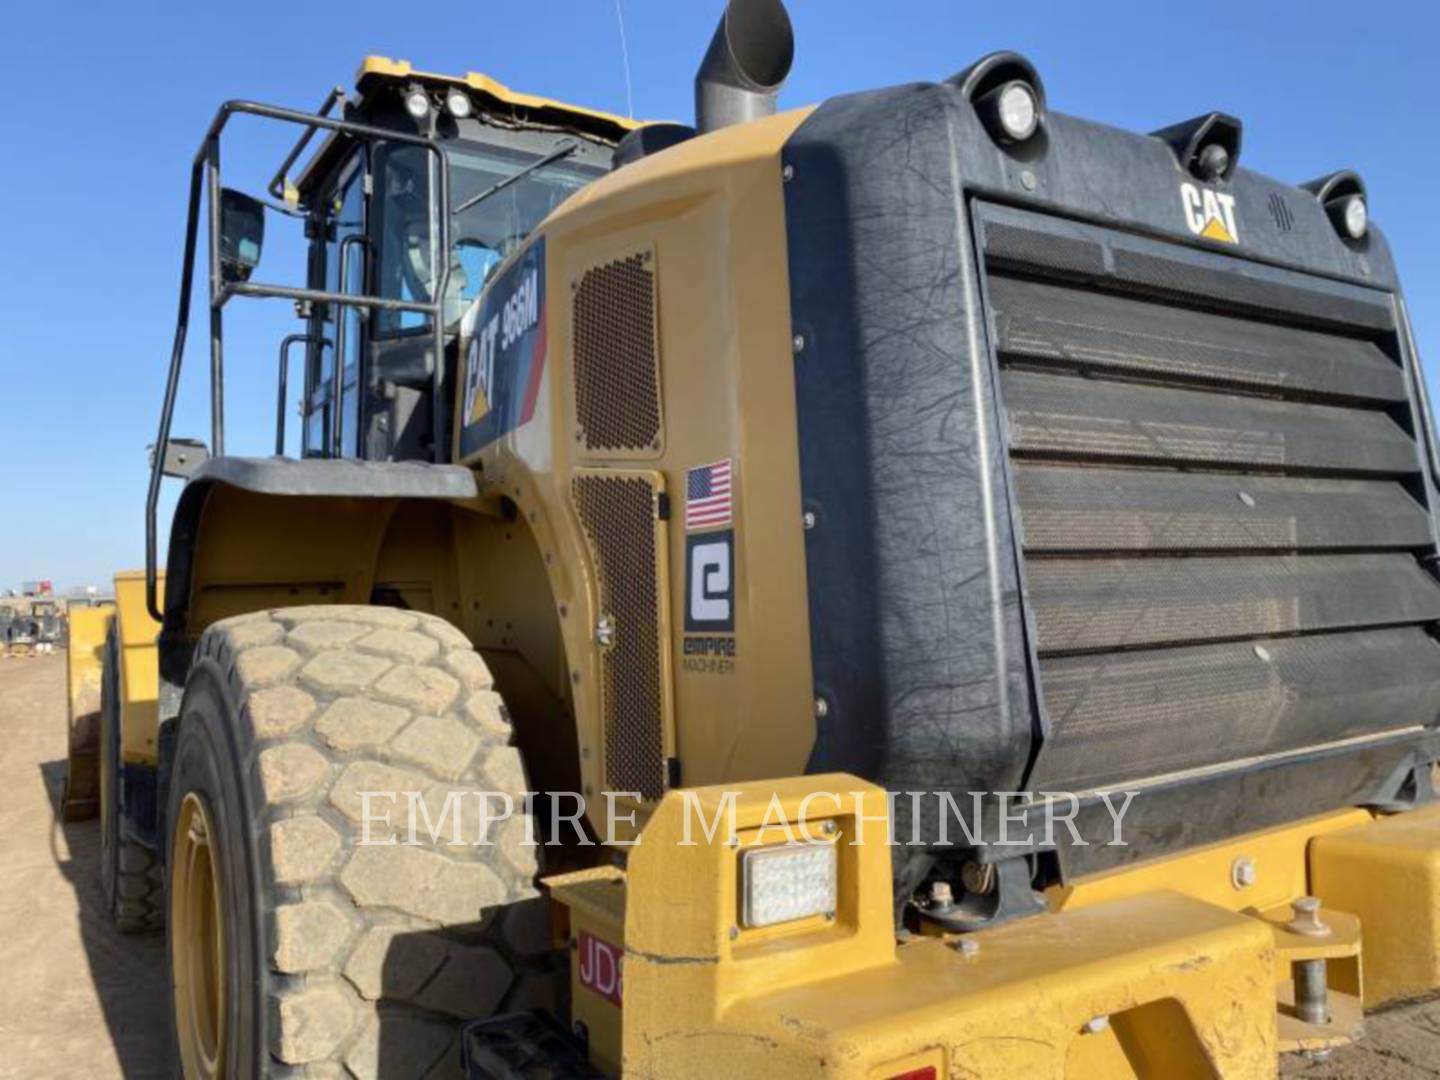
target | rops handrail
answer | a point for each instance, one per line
(206, 168)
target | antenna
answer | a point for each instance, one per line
(625, 60)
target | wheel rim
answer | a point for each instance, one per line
(198, 942)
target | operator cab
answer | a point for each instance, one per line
(370, 216)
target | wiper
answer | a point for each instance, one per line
(564, 150)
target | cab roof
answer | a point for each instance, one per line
(376, 71)
(378, 74)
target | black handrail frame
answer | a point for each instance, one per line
(205, 174)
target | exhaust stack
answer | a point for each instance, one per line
(745, 66)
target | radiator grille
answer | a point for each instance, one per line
(1215, 477)
(618, 512)
(617, 368)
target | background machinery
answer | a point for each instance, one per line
(926, 441)
(49, 625)
(21, 632)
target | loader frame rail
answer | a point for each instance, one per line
(205, 176)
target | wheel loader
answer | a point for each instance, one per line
(21, 632)
(45, 614)
(917, 586)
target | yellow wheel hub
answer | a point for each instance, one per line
(198, 946)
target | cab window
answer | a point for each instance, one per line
(481, 236)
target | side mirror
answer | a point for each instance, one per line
(242, 235)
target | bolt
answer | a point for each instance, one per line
(822, 708)
(787, 173)
(605, 632)
(1243, 873)
(829, 828)
(1306, 918)
(797, 343)
(1027, 180)
(942, 899)
(808, 520)
(1095, 1025)
(967, 947)
(734, 932)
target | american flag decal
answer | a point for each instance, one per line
(707, 496)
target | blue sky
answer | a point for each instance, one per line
(105, 102)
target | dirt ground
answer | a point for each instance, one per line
(76, 998)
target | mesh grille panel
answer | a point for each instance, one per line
(1124, 603)
(1092, 510)
(1023, 249)
(1065, 416)
(1122, 263)
(617, 371)
(619, 517)
(1182, 280)
(1214, 481)
(1134, 715)
(1094, 330)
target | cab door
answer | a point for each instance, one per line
(335, 326)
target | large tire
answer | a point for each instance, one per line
(131, 874)
(336, 956)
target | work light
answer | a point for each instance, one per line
(457, 104)
(787, 882)
(1356, 217)
(1018, 110)
(417, 102)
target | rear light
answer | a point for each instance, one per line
(1355, 217)
(788, 882)
(1015, 109)
(1342, 194)
(1006, 93)
(925, 1073)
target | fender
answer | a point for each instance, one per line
(255, 532)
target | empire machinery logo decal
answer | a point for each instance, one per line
(1210, 214)
(710, 569)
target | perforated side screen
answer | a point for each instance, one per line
(618, 513)
(617, 367)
